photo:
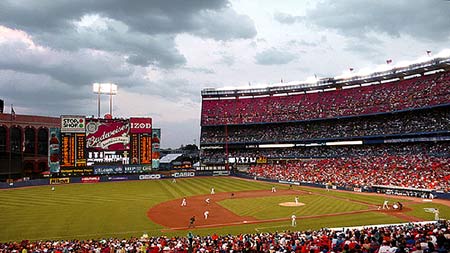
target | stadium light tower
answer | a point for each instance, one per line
(104, 88)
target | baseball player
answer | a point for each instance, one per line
(206, 214)
(213, 191)
(274, 189)
(296, 200)
(207, 201)
(183, 202)
(191, 222)
(385, 204)
(293, 220)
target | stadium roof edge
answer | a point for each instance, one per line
(332, 82)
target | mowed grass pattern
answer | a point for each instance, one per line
(98, 210)
(265, 208)
(118, 209)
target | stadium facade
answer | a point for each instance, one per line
(24, 144)
(390, 115)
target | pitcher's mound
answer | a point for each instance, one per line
(291, 204)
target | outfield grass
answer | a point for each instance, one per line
(444, 211)
(369, 199)
(98, 210)
(264, 208)
(118, 209)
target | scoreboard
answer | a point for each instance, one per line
(141, 149)
(145, 145)
(105, 146)
(73, 150)
(67, 148)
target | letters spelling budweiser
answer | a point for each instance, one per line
(94, 141)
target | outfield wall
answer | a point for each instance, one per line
(111, 178)
(186, 174)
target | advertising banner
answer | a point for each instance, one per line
(63, 180)
(140, 125)
(73, 124)
(184, 174)
(104, 134)
(156, 137)
(77, 171)
(221, 173)
(53, 149)
(108, 169)
(90, 179)
(132, 169)
(150, 177)
(117, 178)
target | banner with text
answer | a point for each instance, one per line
(108, 169)
(140, 125)
(90, 179)
(104, 134)
(73, 124)
(63, 180)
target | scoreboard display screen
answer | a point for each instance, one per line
(67, 150)
(81, 153)
(145, 144)
(134, 149)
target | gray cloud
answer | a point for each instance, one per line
(142, 30)
(75, 68)
(425, 19)
(44, 95)
(274, 56)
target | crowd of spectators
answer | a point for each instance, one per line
(408, 171)
(438, 149)
(410, 238)
(418, 121)
(387, 97)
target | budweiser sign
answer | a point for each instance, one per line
(107, 134)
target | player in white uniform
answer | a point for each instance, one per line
(213, 191)
(274, 189)
(207, 201)
(385, 204)
(183, 202)
(293, 220)
(296, 200)
(206, 214)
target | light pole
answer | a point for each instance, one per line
(104, 88)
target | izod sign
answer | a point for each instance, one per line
(141, 125)
(73, 124)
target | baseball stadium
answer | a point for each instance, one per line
(344, 164)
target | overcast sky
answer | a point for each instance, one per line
(162, 53)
